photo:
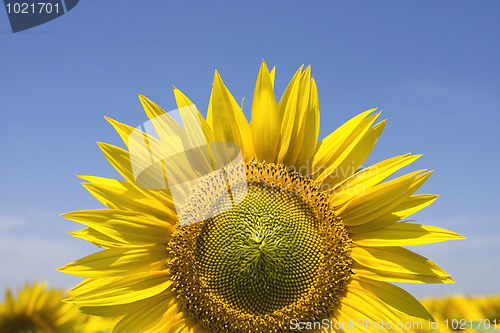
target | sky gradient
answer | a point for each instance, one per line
(431, 67)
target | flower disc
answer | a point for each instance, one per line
(263, 254)
(265, 260)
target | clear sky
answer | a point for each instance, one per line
(432, 67)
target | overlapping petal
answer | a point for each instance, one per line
(125, 226)
(266, 121)
(227, 120)
(397, 260)
(121, 290)
(299, 110)
(120, 260)
(404, 234)
(331, 159)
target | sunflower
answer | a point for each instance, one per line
(294, 235)
(490, 308)
(40, 310)
(458, 309)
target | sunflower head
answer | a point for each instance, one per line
(275, 228)
(40, 310)
(264, 261)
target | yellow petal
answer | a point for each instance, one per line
(111, 291)
(365, 297)
(415, 203)
(119, 159)
(122, 129)
(146, 318)
(95, 237)
(227, 120)
(265, 122)
(356, 157)
(395, 297)
(356, 315)
(409, 206)
(144, 146)
(380, 199)
(166, 127)
(395, 259)
(300, 125)
(129, 227)
(311, 130)
(117, 310)
(333, 151)
(118, 261)
(404, 234)
(272, 74)
(286, 95)
(370, 177)
(293, 117)
(389, 276)
(181, 153)
(183, 101)
(198, 136)
(117, 194)
(149, 172)
(174, 323)
(327, 148)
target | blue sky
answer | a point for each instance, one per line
(431, 67)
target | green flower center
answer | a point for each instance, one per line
(261, 255)
(279, 254)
